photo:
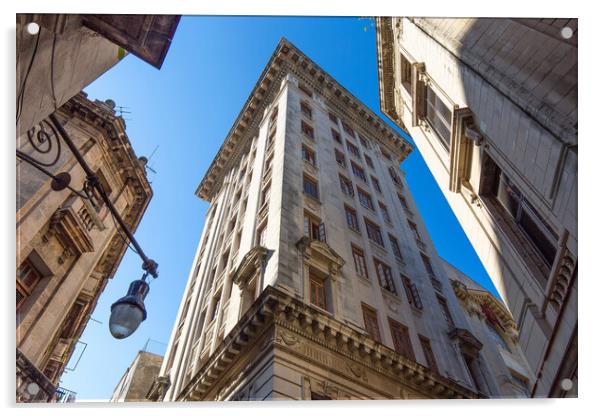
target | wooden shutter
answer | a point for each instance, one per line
(371, 322)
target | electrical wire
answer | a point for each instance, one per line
(52, 71)
(21, 95)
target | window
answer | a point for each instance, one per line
(401, 339)
(271, 139)
(28, 277)
(445, 310)
(216, 305)
(411, 292)
(346, 185)
(385, 154)
(267, 166)
(353, 149)
(306, 110)
(385, 278)
(308, 155)
(427, 264)
(371, 322)
(305, 90)
(428, 353)
(314, 228)
(395, 247)
(307, 129)
(336, 135)
(274, 114)
(395, 176)
(376, 184)
(406, 74)
(333, 118)
(347, 129)
(532, 225)
(385, 211)
(340, 158)
(359, 261)
(369, 161)
(317, 292)
(414, 230)
(363, 142)
(310, 187)
(351, 216)
(365, 199)
(316, 396)
(373, 231)
(403, 201)
(438, 116)
(358, 171)
(265, 195)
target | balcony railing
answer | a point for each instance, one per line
(32, 384)
(64, 395)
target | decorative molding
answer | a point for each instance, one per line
(317, 337)
(67, 226)
(251, 263)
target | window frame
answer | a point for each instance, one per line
(359, 262)
(351, 213)
(371, 313)
(314, 182)
(401, 343)
(367, 197)
(375, 229)
(384, 275)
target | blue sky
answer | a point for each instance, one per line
(186, 109)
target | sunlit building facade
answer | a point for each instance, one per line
(492, 107)
(68, 244)
(315, 277)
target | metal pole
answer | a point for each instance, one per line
(148, 265)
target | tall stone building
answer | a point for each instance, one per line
(492, 107)
(138, 378)
(315, 277)
(69, 51)
(491, 322)
(68, 244)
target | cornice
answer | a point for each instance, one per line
(384, 58)
(277, 310)
(469, 295)
(288, 59)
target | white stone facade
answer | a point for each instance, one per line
(492, 107)
(285, 313)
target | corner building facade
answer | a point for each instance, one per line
(315, 277)
(492, 107)
(68, 244)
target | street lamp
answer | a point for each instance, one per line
(129, 311)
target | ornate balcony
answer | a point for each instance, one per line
(32, 385)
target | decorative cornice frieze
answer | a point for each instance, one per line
(297, 327)
(472, 299)
(288, 59)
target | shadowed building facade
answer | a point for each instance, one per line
(72, 50)
(68, 244)
(315, 277)
(492, 107)
(491, 322)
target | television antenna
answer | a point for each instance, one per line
(150, 158)
(121, 110)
